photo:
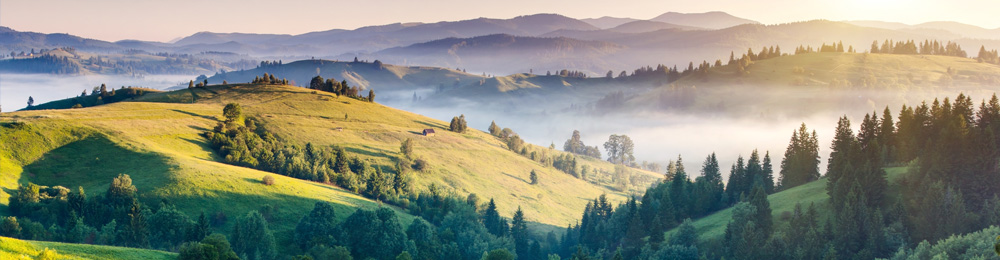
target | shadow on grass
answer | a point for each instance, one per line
(371, 151)
(430, 125)
(93, 162)
(515, 177)
(194, 114)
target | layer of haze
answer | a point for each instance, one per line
(167, 20)
(16, 88)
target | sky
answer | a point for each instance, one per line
(153, 20)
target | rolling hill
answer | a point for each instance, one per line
(507, 53)
(805, 84)
(23, 249)
(157, 140)
(711, 20)
(608, 22)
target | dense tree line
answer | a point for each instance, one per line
(115, 217)
(340, 88)
(927, 47)
(448, 228)
(247, 143)
(987, 56)
(267, 79)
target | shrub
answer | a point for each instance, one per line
(420, 165)
(47, 254)
(268, 180)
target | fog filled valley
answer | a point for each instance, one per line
(539, 137)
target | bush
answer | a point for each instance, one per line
(47, 254)
(268, 180)
(420, 165)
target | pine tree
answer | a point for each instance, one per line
(494, 129)
(519, 232)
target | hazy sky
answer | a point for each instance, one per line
(166, 20)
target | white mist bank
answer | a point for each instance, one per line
(16, 88)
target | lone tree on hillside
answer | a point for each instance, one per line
(31, 101)
(371, 95)
(191, 84)
(534, 177)
(619, 149)
(232, 111)
(406, 148)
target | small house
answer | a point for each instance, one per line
(428, 132)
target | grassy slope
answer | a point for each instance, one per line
(23, 249)
(714, 226)
(158, 144)
(473, 162)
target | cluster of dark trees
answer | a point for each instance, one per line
(267, 79)
(459, 125)
(988, 56)
(801, 162)
(269, 64)
(575, 145)
(449, 227)
(248, 143)
(927, 47)
(340, 88)
(568, 74)
(833, 47)
(115, 217)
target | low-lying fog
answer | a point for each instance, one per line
(16, 88)
(658, 138)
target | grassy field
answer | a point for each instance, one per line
(714, 226)
(23, 249)
(157, 142)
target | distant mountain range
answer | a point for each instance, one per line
(540, 42)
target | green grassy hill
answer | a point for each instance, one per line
(23, 249)
(158, 143)
(713, 226)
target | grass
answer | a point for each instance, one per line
(157, 141)
(713, 226)
(11, 248)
